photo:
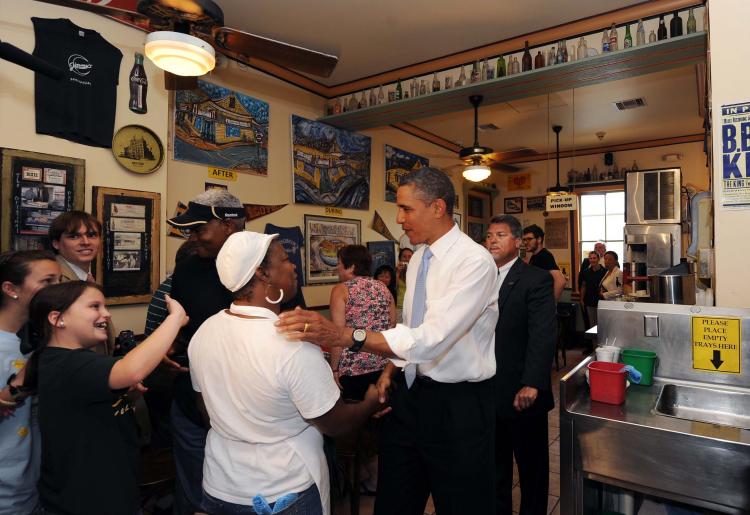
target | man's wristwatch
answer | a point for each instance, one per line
(359, 336)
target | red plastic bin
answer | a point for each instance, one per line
(607, 381)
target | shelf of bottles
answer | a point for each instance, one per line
(616, 52)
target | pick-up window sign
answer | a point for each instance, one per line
(562, 202)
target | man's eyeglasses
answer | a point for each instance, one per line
(527, 239)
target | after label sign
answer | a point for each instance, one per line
(222, 174)
(716, 344)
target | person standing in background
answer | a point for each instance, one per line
(611, 285)
(76, 237)
(533, 239)
(591, 278)
(22, 274)
(524, 349)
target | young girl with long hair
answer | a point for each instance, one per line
(89, 444)
(22, 274)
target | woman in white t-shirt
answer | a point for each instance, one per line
(611, 286)
(268, 399)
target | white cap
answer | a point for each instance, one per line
(240, 256)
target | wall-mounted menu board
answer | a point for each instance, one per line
(128, 266)
(36, 188)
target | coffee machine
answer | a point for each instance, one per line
(653, 237)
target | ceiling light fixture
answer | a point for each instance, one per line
(476, 172)
(181, 54)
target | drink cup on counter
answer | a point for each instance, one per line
(608, 353)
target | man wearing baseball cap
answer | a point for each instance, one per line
(211, 218)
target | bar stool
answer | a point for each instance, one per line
(566, 317)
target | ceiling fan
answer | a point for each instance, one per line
(481, 160)
(176, 24)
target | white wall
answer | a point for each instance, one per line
(730, 83)
(17, 124)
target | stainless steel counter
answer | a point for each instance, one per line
(634, 447)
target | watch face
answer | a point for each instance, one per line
(359, 335)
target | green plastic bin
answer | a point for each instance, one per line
(644, 361)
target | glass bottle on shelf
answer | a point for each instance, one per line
(422, 87)
(551, 56)
(474, 72)
(362, 101)
(560, 57)
(510, 65)
(435, 83)
(564, 53)
(691, 24)
(675, 25)
(572, 52)
(381, 96)
(373, 101)
(490, 71)
(652, 37)
(461, 78)
(413, 88)
(539, 60)
(483, 71)
(353, 104)
(628, 41)
(583, 49)
(613, 46)
(640, 34)
(661, 32)
(605, 41)
(399, 92)
(337, 106)
(500, 67)
(448, 82)
(526, 62)
(516, 66)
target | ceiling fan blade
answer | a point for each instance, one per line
(174, 82)
(99, 9)
(502, 167)
(277, 52)
(512, 154)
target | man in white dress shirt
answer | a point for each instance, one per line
(439, 437)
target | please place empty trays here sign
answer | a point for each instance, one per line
(716, 344)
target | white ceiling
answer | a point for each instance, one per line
(373, 37)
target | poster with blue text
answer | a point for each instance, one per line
(397, 164)
(219, 127)
(331, 166)
(735, 150)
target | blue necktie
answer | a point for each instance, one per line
(418, 307)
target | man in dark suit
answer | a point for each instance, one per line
(524, 348)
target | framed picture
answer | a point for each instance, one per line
(397, 164)
(513, 205)
(536, 203)
(331, 166)
(382, 253)
(128, 266)
(36, 189)
(457, 219)
(216, 126)
(324, 236)
(477, 231)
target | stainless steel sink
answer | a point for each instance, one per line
(720, 407)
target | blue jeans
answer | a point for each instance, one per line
(307, 503)
(188, 450)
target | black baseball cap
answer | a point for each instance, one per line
(198, 214)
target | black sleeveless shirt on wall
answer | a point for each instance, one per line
(81, 105)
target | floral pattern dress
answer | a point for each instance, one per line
(366, 308)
